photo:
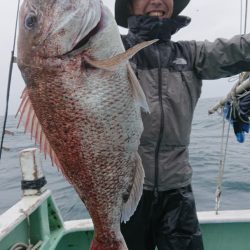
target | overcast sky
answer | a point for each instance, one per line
(210, 19)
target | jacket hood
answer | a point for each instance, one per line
(148, 28)
(122, 10)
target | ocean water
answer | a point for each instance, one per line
(204, 157)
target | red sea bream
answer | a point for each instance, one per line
(82, 105)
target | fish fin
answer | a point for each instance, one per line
(33, 126)
(113, 62)
(138, 93)
(130, 205)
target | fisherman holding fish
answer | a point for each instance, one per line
(82, 103)
(171, 75)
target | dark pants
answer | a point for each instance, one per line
(168, 222)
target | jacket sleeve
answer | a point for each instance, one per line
(222, 58)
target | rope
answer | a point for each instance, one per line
(19, 246)
(12, 59)
(237, 108)
(234, 107)
(22, 246)
(223, 155)
(236, 97)
(29, 246)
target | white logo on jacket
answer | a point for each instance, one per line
(180, 61)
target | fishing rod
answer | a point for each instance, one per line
(246, 8)
(245, 17)
(12, 60)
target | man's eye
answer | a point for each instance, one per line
(30, 21)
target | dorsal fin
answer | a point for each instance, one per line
(33, 126)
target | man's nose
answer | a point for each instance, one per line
(156, 2)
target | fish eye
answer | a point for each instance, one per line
(30, 21)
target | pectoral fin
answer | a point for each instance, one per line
(113, 62)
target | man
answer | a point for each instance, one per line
(170, 74)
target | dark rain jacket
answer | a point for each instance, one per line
(171, 74)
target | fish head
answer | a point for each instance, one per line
(51, 28)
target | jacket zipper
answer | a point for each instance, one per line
(157, 148)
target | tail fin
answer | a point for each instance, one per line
(118, 244)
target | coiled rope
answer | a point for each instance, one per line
(22, 246)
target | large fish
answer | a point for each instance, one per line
(82, 104)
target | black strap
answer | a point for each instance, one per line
(36, 184)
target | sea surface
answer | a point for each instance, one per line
(205, 156)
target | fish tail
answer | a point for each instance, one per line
(108, 245)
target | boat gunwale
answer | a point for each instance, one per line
(224, 216)
(19, 212)
(28, 204)
(205, 217)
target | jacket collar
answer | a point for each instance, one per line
(148, 28)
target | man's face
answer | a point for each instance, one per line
(158, 8)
